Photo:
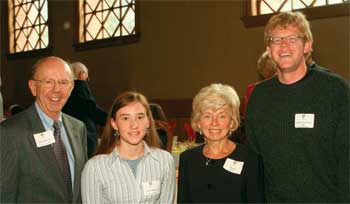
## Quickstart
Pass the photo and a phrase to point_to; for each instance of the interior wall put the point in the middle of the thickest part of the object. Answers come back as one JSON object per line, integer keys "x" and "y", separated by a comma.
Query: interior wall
{"x": 184, "y": 45}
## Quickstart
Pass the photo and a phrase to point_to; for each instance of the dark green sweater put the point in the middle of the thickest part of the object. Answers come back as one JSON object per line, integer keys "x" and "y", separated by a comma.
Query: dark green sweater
{"x": 302, "y": 164}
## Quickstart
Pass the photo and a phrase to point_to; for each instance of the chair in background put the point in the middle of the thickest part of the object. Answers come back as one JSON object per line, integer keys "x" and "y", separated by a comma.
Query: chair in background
{"x": 172, "y": 125}
{"x": 191, "y": 134}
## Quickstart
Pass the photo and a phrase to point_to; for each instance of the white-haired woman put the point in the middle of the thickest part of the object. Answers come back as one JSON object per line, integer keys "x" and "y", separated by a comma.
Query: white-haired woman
{"x": 219, "y": 171}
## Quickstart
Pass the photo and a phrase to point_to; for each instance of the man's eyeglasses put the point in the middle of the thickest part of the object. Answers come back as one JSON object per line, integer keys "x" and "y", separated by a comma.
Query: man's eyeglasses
{"x": 290, "y": 39}
{"x": 50, "y": 83}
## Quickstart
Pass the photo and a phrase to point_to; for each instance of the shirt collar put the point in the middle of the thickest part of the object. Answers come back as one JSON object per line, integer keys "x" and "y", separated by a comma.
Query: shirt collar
{"x": 45, "y": 119}
{"x": 149, "y": 152}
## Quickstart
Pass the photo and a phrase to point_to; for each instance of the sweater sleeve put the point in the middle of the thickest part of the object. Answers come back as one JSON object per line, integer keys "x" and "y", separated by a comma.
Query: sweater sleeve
{"x": 254, "y": 180}
{"x": 249, "y": 125}
{"x": 183, "y": 190}
{"x": 342, "y": 144}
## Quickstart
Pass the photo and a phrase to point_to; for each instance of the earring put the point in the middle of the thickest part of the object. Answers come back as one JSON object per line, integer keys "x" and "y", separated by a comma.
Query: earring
{"x": 116, "y": 133}
{"x": 147, "y": 131}
{"x": 200, "y": 132}
{"x": 230, "y": 132}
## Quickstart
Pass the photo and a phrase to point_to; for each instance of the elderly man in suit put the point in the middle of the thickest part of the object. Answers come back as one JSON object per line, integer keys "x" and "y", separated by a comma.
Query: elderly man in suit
{"x": 43, "y": 150}
{"x": 82, "y": 105}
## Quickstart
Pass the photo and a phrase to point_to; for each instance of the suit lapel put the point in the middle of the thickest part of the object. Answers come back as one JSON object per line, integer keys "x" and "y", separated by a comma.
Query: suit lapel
{"x": 75, "y": 144}
{"x": 45, "y": 153}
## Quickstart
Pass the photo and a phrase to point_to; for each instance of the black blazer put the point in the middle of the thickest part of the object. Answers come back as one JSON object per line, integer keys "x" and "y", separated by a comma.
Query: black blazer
{"x": 82, "y": 105}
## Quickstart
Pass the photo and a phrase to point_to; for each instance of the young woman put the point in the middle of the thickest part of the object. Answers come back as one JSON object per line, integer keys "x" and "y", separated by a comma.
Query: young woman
{"x": 129, "y": 166}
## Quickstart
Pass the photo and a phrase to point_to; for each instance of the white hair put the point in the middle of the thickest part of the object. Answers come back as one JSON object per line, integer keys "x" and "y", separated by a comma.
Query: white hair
{"x": 78, "y": 67}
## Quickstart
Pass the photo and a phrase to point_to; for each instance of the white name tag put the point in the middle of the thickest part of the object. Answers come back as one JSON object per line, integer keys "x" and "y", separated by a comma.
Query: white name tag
{"x": 151, "y": 188}
{"x": 233, "y": 166}
{"x": 304, "y": 120}
{"x": 44, "y": 138}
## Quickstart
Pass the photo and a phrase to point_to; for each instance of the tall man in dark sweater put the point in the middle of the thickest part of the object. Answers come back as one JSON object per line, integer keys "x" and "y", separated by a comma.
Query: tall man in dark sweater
{"x": 82, "y": 105}
{"x": 298, "y": 121}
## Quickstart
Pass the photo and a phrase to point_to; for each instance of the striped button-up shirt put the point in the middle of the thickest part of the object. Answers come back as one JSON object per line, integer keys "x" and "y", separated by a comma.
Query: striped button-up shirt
{"x": 109, "y": 179}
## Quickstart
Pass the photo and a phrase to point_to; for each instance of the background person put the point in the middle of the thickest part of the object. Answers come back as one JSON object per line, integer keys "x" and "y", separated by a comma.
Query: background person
{"x": 266, "y": 68}
{"x": 219, "y": 171}
{"x": 82, "y": 105}
{"x": 14, "y": 109}
{"x": 162, "y": 126}
{"x": 41, "y": 163}
{"x": 129, "y": 166}
{"x": 299, "y": 121}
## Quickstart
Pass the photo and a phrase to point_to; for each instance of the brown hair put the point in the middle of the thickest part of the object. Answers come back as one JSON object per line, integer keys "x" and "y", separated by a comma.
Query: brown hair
{"x": 157, "y": 112}
{"x": 109, "y": 140}
{"x": 266, "y": 67}
{"x": 285, "y": 19}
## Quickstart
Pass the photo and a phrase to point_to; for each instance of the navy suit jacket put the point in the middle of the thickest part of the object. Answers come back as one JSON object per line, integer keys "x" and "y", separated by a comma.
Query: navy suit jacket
{"x": 30, "y": 174}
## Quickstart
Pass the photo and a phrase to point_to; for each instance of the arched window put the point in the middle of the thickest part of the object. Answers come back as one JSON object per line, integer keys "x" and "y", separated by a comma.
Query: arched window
{"x": 106, "y": 19}
{"x": 273, "y": 6}
{"x": 28, "y": 25}
{"x": 257, "y": 12}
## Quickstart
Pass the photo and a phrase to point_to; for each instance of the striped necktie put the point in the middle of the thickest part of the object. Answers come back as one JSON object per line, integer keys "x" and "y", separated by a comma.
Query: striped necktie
{"x": 61, "y": 157}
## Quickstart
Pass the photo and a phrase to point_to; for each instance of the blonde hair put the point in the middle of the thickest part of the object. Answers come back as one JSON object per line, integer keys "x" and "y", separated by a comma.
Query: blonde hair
{"x": 266, "y": 67}
{"x": 216, "y": 96}
{"x": 285, "y": 19}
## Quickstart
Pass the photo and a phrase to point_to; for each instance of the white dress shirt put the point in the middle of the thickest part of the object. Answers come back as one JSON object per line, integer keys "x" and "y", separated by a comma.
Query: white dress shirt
{"x": 108, "y": 178}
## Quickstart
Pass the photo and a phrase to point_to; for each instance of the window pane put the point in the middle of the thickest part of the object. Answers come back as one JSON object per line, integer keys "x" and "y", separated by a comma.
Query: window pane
{"x": 28, "y": 27}
{"x": 92, "y": 4}
{"x": 287, "y": 6}
{"x": 110, "y": 2}
{"x": 335, "y": 1}
{"x": 112, "y": 23}
{"x": 44, "y": 13}
{"x": 45, "y": 36}
{"x": 125, "y": 2}
{"x": 272, "y": 6}
{"x": 129, "y": 21}
{"x": 33, "y": 36}
{"x": 297, "y": 4}
{"x": 93, "y": 26}
{"x": 320, "y": 3}
{"x": 107, "y": 19}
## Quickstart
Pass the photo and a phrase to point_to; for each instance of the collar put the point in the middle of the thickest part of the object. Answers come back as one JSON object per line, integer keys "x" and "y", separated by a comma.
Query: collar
{"x": 45, "y": 119}
{"x": 149, "y": 152}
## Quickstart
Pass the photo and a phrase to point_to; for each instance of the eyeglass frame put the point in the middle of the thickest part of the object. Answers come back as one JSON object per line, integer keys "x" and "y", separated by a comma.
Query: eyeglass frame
{"x": 50, "y": 83}
{"x": 291, "y": 39}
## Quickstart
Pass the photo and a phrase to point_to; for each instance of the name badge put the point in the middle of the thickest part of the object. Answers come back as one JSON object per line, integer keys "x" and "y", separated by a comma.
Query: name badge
{"x": 233, "y": 166}
{"x": 44, "y": 138}
{"x": 151, "y": 188}
{"x": 304, "y": 120}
